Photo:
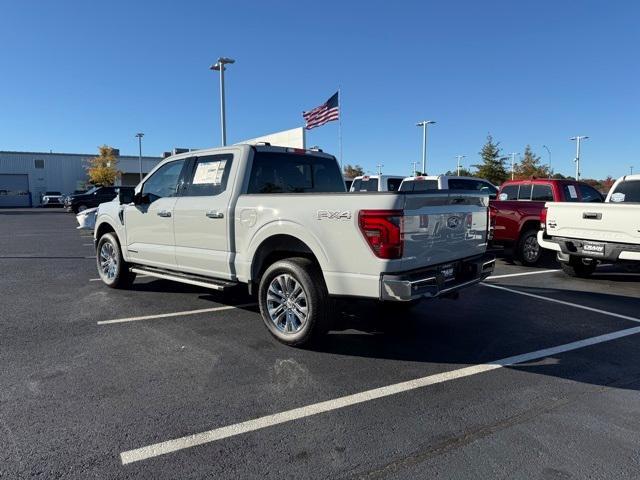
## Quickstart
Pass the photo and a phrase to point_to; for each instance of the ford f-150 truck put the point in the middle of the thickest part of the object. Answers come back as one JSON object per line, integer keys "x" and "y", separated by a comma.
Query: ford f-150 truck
{"x": 585, "y": 234}
{"x": 281, "y": 221}
{"x": 516, "y": 213}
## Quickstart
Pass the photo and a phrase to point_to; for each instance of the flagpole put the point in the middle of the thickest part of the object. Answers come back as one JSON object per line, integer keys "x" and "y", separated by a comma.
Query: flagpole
{"x": 340, "y": 128}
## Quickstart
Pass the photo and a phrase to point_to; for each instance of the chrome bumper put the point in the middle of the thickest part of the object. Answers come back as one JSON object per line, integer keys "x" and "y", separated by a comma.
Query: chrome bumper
{"x": 431, "y": 283}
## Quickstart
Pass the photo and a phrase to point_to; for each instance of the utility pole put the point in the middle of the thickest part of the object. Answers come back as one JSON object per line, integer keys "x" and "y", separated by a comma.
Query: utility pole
{"x": 415, "y": 165}
{"x": 549, "y": 152}
{"x": 220, "y": 67}
{"x": 513, "y": 164}
{"x": 578, "y": 139}
{"x": 139, "y": 135}
{"x": 459, "y": 157}
{"x": 424, "y": 124}
{"x": 631, "y": 169}
{"x": 379, "y": 167}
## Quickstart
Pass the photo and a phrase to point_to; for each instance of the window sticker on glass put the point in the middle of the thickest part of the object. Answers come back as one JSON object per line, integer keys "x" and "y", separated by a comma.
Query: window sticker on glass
{"x": 572, "y": 191}
{"x": 503, "y": 196}
{"x": 618, "y": 197}
{"x": 209, "y": 173}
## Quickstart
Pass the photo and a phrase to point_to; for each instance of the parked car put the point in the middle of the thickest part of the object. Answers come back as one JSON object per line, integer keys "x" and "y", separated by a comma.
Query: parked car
{"x": 280, "y": 220}
{"x": 447, "y": 182}
{"x": 376, "y": 183}
{"x": 586, "y": 234}
{"x": 515, "y": 215}
{"x": 92, "y": 198}
{"x": 52, "y": 199}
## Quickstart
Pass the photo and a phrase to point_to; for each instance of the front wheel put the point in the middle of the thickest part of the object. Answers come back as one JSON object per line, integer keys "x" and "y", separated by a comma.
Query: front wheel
{"x": 294, "y": 302}
{"x": 112, "y": 268}
{"x": 579, "y": 267}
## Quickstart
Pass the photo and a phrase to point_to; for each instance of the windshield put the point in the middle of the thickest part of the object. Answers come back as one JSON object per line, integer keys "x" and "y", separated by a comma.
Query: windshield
{"x": 91, "y": 190}
{"x": 627, "y": 192}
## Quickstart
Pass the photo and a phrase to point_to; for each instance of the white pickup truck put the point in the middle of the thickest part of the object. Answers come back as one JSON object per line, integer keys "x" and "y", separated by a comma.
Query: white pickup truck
{"x": 281, "y": 221}
{"x": 585, "y": 234}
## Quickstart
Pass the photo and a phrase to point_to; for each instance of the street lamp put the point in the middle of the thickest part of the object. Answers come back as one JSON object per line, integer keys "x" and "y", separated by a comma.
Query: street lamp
{"x": 578, "y": 139}
{"x": 220, "y": 67}
{"x": 424, "y": 124}
{"x": 459, "y": 157}
{"x": 139, "y": 135}
{"x": 513, "y": 164}
{"x": 379, "y": 167}
{"x": 549, "y": 152}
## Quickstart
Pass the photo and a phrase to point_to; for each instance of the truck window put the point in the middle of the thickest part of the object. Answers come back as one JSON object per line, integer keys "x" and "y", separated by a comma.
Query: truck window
{"x": 570, "y": 193}
{"x": 589, "y": 194}
{"x": 525, "y": 192}
{"x": 164, "y": 181}
{"x": 368, "y": 185}
{"x": 509, "y": 192}
{"x": 209, "y": 176}
{"x": 283, "y": 172}
{"x": 419, "y": 185}
{"x": 542, "y": 193}
{"x": 627, "y": 192}
{"x": 393, "y": 184}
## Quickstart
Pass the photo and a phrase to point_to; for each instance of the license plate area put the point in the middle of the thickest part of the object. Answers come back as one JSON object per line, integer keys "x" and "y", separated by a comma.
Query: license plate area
{"x": 448, "y": 271}
{"x": 592, "y": 249}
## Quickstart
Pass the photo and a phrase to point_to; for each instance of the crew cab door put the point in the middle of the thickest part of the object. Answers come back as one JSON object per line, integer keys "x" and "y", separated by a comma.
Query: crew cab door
{"x": 202, "y": 219}
{"x": 149, "y": 222}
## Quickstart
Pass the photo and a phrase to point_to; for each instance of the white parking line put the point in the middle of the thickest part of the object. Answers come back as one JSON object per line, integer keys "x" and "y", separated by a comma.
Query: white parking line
{"x": 562, "y": 302}
{"x": 175, "y": 314}
{"x": 493, "y": 277}
{"x": 189, "y": 441}
{"x": 87, "y": 244}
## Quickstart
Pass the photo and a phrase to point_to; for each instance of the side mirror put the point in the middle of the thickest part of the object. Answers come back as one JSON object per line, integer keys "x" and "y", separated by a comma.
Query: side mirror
{"x": 125, "y": 196}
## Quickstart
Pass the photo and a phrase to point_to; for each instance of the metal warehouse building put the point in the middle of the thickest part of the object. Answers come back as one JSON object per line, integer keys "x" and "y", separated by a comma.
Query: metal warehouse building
{"x": 25, "y": 176}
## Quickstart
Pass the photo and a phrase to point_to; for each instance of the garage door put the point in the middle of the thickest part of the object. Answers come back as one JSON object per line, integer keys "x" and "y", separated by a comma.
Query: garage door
{"x": 14, "y": 190}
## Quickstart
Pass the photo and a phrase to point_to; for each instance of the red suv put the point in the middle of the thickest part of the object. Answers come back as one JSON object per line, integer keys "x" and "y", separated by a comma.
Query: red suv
{"x": 516, "y": 212}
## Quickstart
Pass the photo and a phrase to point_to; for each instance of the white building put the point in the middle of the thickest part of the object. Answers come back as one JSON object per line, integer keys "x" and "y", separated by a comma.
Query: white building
{"x": 25, "y": 176}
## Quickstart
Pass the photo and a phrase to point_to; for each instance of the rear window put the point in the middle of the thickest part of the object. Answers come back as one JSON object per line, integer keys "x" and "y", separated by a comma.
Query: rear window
{"x": 542, "y": 193}
{"x": 570, "y": 193}
{"x": 282, "y": 172}
{"x": 627, "y": 192}
{"x": 393, "y": 184}
{"x": 419, "y": 185}
{"x": 525, "y": 192}
{"x": 365, "y": 185}
{"x": 509, "y": 192}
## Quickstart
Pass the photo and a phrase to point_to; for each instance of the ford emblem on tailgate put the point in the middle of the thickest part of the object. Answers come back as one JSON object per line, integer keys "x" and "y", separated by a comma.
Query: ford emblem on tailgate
{"x": 453, "y": 222}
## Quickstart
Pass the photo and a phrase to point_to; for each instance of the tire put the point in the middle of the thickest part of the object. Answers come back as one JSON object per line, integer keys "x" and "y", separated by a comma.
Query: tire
{"x": 576, "y": 267}
{"x": 528, "y": 250}
{"x": 112, "y": 268}
{"x": 294, "y": 302}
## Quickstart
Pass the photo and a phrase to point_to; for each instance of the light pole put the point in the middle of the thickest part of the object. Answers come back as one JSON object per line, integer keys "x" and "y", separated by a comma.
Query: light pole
{"x": 220, "y": 67}
{"x": 549, "y": 152}
{"x": 578, "y": 139}
{"x": 414, "y": 171}
{"x": 513, "y": 164}
{"x": 631, "y": 169}
{"x": 424, "y": 124}
{"x": 379, "y": 167}
{"x": 139, "y": 135}
{"x": 459, "y": 157}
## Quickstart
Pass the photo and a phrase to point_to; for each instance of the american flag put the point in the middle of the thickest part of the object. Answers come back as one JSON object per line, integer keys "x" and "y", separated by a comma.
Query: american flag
{"x": 327, "y": 112}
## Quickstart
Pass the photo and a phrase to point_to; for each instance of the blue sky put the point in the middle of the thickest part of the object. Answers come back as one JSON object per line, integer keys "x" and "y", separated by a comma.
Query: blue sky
{"x": 78, "y": 74}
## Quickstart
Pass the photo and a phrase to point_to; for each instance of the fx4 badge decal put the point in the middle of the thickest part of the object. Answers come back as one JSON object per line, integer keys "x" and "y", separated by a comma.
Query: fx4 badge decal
{"x": 333, "y": 215}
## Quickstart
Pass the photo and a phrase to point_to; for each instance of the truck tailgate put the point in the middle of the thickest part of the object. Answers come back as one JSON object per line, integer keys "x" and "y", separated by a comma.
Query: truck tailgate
{"x": 444, "y": 227}
{"x": 605, "y": 222}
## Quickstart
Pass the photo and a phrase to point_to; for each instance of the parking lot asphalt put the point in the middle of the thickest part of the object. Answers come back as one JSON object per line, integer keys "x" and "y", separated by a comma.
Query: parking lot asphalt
{"x": 166, "y": 381}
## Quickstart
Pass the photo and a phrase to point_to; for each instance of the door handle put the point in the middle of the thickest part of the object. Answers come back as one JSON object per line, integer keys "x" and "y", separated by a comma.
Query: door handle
{"x": 592, "y": 216}
{"x": 214, "y": 214}
{"x": 164, "y": 213}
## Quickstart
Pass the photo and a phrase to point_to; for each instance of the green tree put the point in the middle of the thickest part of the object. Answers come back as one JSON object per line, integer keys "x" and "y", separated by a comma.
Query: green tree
{"x": 352, "y": 171}
{"x": 530, "y": 166}
{"x": 463, "y": 173}
{"x": 492, "y": 166}
{"x": 102, "y": 170}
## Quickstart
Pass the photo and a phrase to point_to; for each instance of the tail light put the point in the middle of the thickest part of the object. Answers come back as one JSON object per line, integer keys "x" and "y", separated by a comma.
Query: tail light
{"x": 383, "y": 231}
{"x": 543, "y": 219}
{"x": 492, "y": 221}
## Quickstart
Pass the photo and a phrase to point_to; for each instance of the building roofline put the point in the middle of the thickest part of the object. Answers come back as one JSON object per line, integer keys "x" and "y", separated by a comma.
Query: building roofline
{"x": 76, "y": 154}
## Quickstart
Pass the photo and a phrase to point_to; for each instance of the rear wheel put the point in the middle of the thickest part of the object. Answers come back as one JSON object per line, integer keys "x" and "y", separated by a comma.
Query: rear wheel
{"x": 528, "y": 250}
{"x": 294, "y": 301}
{"x": 112, "y": 268}
{"x": 579, "y": 267}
